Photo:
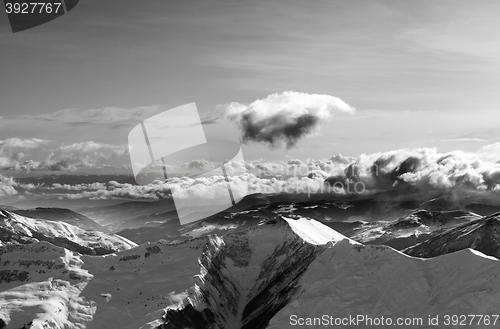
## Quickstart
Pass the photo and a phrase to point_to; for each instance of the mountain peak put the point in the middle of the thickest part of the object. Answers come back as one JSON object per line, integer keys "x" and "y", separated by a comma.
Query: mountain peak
{"x": 61, "y": 215}
{"x": 247, "y": 277}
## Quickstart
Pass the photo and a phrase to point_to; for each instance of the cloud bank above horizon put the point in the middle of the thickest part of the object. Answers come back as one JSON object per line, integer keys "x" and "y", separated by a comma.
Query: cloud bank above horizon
{"x": 420, "y": 171}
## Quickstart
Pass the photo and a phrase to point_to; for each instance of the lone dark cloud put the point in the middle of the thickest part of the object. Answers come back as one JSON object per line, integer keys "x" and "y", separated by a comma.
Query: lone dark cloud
{"x": 276, "y": 129}
{"x": 284, "y": 118}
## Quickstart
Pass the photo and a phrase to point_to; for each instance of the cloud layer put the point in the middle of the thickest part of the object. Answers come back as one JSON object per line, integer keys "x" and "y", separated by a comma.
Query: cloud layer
{"x": 284, "y": 118}
{"x": 418, "y": 170}
{"x": 113, "y": 116}
{"x": 43, "y": 155}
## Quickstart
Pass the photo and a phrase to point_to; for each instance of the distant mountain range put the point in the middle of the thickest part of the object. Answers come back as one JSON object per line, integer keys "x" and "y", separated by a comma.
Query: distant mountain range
{"x": 133, "y": 214}
{"x": 366, "y": 218}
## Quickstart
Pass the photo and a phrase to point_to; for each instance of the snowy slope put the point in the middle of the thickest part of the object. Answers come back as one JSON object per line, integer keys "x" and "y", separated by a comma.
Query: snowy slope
{"x": 41, "y": 283}
{"x": 16, "y": 229}
{"x": 60, "y": 214}
{"x": 65, "y": 290}
{"x": 140, "y": 282}
{"x": 313, "y": 232}
{"x": 378, "y": 281}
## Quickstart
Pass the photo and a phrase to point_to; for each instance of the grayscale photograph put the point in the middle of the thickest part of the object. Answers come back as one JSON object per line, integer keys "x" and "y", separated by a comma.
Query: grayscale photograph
{"x": 266, "y": 164}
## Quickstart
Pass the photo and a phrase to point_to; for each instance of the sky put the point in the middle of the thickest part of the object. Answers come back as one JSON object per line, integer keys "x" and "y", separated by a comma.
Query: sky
{"x": 415, "y": 74}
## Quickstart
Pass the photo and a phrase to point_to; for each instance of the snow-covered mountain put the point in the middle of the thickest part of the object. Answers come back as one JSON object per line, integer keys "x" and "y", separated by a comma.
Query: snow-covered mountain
{"x": 247, "y": 277}
{"x": 256, "y": 278}
{"x": 40, "y": 287}
{"x": 17, "y": 229}
{"x": 481, "y": 234}
{"x": 63, "y": 215}
{"x": 264, "y": 275}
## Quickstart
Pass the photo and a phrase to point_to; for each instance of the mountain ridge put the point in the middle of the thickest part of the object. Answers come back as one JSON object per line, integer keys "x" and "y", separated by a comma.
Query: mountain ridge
{"x": 17, "y": 229}
{"x": 61, "y": 214}
{"x": 481, "y": 234}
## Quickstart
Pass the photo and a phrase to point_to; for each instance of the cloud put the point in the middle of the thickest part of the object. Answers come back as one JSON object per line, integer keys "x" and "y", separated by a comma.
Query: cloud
{"x": 464, "y": 140}
{"x": 45, "y": 156}
{"x": 207, "y": 187}
{"x": 7, "y": 163}
{"x": 200, "y": 188}
{"x": 84, "y": 154}
{"x": 90, "y": 146}
{"x": 29, "y": 186}
{"x": 10, "y": 144}
{"x": 425, "y": 169}
{"x": 12, "y": 151}
{"x": 490, "y": 151}
{"x": 284, "y": 118}
{"x": 77, "y": 187}
{"x": 115, "y": 190}
{"x": 339, "y": 158}
{"x": 7, "y": 186}
{"x": 106, "y": 125}
{"x": 200, "y": 164}
{"x": 420, "y": 170}
{"x": 100, "y": 116}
